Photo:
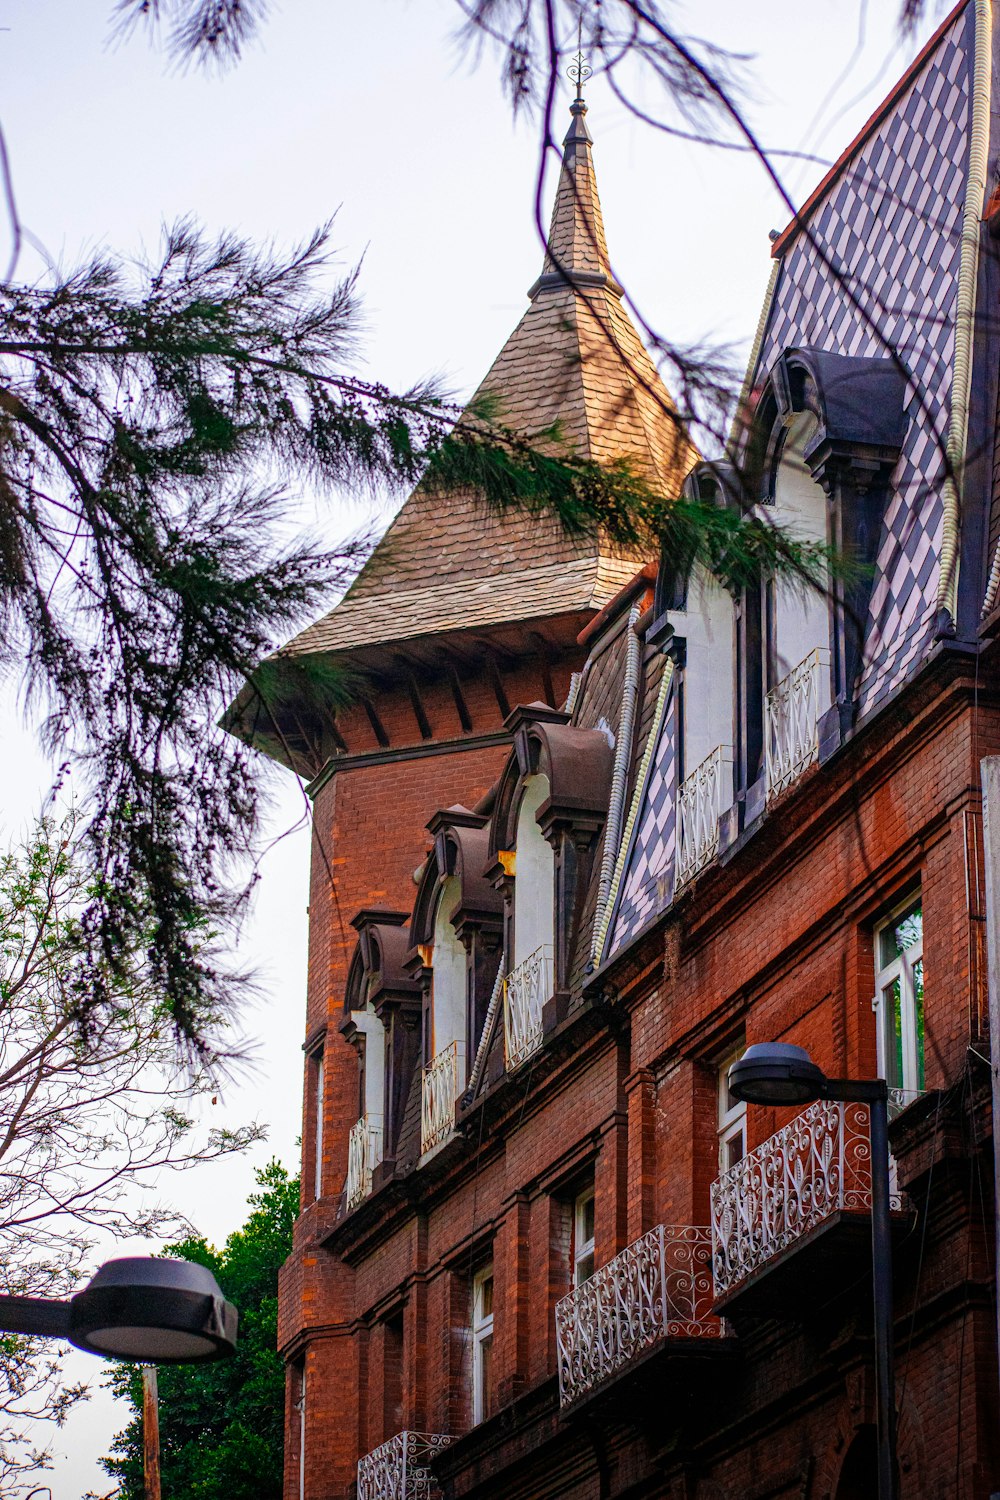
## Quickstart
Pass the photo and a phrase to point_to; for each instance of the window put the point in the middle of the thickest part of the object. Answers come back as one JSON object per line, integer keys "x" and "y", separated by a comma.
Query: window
{"x": 583, "y": 1237}
{"x": 732, "y": 1118}
{"x": 318, "y": 1127}
{"x": 899, "y": 996}
{"x": 482, "y": 1344}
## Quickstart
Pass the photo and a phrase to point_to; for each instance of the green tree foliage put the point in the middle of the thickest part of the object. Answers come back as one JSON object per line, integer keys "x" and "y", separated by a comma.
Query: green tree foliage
{"x": 88, "y": 1124}
{"x": 222, "y": 1425}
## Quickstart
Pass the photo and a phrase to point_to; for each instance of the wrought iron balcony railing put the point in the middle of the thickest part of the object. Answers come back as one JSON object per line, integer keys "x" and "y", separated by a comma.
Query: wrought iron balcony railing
{"x": 439, "y": 1090}
{"x": 792, "y": 712}
{"x": 364, "y": 1152}
{"x": 817, "y": 1165}
{"x": 526, "y": 989}
{"x": 400, "y": 1468}
{"x": 660, "y": 1287}
{"x": 703, "y": 797}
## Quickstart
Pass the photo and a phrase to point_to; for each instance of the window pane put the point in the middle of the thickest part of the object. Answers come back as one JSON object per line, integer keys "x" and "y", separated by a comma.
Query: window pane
{"x": 584, "y": 1268}
{"x": 892, "y": 1011}
{"x": 486, "y": 1374}
{"x": 485, "y": 1298}
{"x": 733, "y": 1151}
{"x": 918, "y": 1015}
{"x": 586, "y": 1221}
{"x": 900, "y": 934}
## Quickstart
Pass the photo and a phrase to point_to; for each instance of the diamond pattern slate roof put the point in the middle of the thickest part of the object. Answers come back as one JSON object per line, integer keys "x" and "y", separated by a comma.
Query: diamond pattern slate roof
{"x": 575, "y": 362}
{"x": 890, "y": 224}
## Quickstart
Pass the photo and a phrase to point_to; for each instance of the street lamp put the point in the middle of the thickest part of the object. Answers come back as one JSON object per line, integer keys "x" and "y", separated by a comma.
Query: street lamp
{"x": 778, "y": 1073}
{"x": 143, "y": 1309}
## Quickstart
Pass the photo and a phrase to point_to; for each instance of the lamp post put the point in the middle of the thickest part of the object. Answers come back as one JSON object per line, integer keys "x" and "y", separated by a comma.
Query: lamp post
{"x": 777, "y": 1073}
{"x": 139, "y": 1308}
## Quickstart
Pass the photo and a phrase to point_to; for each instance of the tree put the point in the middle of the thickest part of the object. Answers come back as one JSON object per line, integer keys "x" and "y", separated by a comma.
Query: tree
{"x": 87, "y": 1121}
{"x": 222, "y": 1425}
{"x": 154, "y": 421}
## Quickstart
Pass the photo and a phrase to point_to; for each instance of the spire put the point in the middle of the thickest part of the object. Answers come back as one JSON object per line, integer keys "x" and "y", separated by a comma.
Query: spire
{"x": 577, "y": 249}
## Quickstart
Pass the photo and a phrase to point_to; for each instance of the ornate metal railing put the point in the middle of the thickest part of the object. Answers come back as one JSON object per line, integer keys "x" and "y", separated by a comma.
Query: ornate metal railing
{"x": 439, "y": 1092}
{"x": 792, "y": 713}
{"x": 399, "y": 1469}
{"x": 703, "y": 797}
{"x": 364, "y": 1152}
{"x": 816, "y": 1165}
{"x": 660, "y": 1287}
{"x": 526, "y": 989}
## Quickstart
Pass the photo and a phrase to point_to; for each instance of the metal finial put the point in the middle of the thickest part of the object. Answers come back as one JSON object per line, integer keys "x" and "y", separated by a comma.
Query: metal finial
{"x": 579, "y": 69}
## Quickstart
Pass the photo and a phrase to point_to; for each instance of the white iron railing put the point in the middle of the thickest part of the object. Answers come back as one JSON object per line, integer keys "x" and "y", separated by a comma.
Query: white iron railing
{"x": 660, "y": 1287}
{"x": 364, "y": 1152}
{"x": 439, "y": 1090}
{"x": 818, "y": 1164}
{"x": 399, "y": 1469}
{"x": 792, "y": 712}
{"x": 701, "y": 800}
{"x": 526, "y": 989}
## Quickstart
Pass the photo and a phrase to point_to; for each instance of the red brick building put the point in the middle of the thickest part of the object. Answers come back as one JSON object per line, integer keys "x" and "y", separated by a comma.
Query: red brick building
{"x": 593, "y": 827}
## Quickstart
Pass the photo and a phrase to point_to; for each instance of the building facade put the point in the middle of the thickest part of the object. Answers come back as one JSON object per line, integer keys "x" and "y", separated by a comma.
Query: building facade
{"x": 594, "y": 824}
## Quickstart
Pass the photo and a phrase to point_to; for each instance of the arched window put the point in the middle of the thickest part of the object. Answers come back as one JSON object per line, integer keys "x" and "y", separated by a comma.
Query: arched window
{"x": 798, "y": 618}
{"x": 534, "y": 884}
{"x": 444, "y": 1014}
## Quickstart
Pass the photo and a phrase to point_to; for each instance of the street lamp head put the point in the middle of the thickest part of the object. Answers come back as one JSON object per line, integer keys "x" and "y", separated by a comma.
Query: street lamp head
{"x": 776, "y": 1073}
{"x": 153, "y": 1311}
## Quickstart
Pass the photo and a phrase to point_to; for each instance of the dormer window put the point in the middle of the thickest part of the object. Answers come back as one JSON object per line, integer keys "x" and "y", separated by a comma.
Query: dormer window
{"x": 530, "y": 973}
{"x": 444, "y": 1029}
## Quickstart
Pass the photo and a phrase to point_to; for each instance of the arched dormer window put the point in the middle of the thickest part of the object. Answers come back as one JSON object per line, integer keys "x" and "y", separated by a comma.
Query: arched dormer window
{"x": 824, "y": 439}
{"x": 456, "y": 931}
{"x": 550, "y": 807}
{"x": 381, "y": 1024}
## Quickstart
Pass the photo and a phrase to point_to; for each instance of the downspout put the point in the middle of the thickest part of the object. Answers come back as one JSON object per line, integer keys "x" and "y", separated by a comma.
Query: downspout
{"x": 965, "y": 314}
{"x": 601, "y": 928}
{"x": 619, "y": 774}
{"x": 489, "y": 1026}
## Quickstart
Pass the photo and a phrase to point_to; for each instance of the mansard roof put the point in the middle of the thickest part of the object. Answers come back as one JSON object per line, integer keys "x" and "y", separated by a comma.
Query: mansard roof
{"x": 574, "y": 362}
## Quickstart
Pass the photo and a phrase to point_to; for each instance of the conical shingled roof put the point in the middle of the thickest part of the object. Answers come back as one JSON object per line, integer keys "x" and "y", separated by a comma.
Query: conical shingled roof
{"x": 574, "y": 361}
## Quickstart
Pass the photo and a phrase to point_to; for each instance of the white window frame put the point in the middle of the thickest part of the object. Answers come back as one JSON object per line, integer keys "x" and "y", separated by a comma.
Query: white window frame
{"x": 482, "y": 1333}
{"x": 732, "y": 1113}
{"x": 900, "y": 968}
{"x": 300, "y": 1407}
{"x": 318, "y": 1102}
{"x": 583, "y": 1248}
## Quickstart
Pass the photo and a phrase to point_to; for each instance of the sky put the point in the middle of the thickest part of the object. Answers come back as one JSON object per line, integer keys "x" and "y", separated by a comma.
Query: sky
{"x": 370, "y": 113}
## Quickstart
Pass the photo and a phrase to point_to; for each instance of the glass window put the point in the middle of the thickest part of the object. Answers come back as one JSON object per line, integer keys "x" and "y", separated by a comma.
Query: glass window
{"x": 583, "y": 1237}
{"x": 732, "y": 1118}
{"x": 482, "y": 1344}
{"x": 318, "y": 1102}
{"x": 899, "y": 997}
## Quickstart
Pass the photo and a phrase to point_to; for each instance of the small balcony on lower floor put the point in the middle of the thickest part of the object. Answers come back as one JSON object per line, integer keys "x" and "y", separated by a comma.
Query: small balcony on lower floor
{"x": 438, "y": 1093}
{"x": 364, "y": 1152}
{"x": 658, "y": 1291}
{"x": 793, "y": 1218}
{"x": 526, "y": 989}
{"x": 400, "y": 1468}
{"x": 792, "y": 712}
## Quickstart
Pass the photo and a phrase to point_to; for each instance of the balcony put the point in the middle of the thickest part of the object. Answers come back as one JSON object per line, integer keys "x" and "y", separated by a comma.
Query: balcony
{"x": 439, "y": 1090}
{"x": 795, "y": 1213}
{"x": 703, "y": 797}
{"x": 526, "y": 989}
{"x": 364, "y": 1152}
{"x": 659, "y": 1289}
{"x": 792, "y": 712}
{"x": 400, "y": 1468}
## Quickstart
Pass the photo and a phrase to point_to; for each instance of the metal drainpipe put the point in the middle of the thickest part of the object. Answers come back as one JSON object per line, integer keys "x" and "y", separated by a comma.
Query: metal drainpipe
{"x": 619, "y": 776}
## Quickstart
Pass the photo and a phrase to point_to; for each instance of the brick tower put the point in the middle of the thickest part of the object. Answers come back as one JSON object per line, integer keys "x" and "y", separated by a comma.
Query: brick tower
{"x": 457, "y": 617}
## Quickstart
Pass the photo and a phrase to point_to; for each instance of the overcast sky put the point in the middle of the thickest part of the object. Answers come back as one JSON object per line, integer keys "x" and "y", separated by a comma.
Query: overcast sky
{"x": 364, "y": 108}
